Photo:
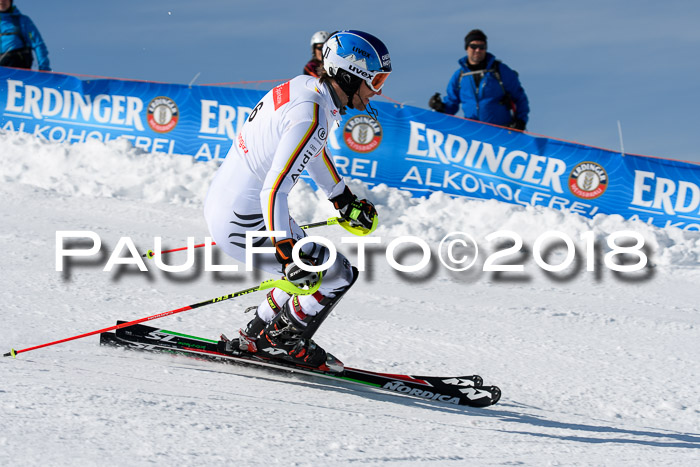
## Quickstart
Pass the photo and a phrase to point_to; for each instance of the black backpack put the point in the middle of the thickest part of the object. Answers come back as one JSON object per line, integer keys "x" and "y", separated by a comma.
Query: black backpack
{"x": 507, "y": 99}
{"x": 18, "y": 58}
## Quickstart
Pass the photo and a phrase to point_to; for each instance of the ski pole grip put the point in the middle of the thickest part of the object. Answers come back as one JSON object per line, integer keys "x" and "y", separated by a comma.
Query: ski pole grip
{"x": 284, "y": 284}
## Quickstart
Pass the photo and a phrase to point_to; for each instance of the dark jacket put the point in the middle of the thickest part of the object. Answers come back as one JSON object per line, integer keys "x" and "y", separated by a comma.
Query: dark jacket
{"x": 18, "y": 35}
{"x": 486, "y": 103}
{"x": 311, "y": 67}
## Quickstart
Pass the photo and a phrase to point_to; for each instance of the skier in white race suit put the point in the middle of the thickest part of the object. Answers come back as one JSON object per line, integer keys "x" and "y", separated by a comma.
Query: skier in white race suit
{"x": 285, "y": 134}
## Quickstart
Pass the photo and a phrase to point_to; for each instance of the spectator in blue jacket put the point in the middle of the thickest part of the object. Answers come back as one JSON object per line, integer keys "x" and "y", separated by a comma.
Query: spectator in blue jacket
{"x": 18, "y": 37}
{"x": 488, "y": 89}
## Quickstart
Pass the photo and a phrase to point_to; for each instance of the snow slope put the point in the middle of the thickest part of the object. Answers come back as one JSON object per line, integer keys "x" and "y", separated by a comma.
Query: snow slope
{"x": 596, "y": 368}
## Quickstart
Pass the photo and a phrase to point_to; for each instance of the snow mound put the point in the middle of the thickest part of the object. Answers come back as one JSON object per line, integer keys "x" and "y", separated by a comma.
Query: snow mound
{"x": 116, "y": 169}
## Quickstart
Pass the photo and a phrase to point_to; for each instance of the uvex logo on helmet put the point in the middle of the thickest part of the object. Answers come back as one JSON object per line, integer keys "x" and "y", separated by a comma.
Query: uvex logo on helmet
{"x": 360, "y": 51}
{"x": 360, "y": 71}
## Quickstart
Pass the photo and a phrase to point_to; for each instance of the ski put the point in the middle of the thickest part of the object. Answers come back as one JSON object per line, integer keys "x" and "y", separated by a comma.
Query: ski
{"x": 458, "y": 390}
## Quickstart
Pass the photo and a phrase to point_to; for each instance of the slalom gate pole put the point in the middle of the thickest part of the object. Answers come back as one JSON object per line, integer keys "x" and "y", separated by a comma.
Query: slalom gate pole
{"x": 268, "y": 284}
{"x": 331, "y": 221}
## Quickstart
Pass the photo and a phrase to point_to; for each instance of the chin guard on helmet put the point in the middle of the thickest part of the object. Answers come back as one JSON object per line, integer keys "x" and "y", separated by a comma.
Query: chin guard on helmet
{"x": 349, "y": 83}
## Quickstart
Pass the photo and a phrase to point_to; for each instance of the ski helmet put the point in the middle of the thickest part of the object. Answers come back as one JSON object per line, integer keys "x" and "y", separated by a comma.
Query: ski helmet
{"x": 319, "y": 38}
{"x": 355, "y": 56}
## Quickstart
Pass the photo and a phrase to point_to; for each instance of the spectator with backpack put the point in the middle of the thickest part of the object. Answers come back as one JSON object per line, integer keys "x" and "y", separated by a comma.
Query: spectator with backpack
{"x": 488, "y": 89}
{"x": 18, "y": 38}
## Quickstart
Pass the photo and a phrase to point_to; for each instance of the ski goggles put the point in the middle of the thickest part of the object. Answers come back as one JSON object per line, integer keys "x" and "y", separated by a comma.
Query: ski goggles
{"x": 378, "y": 81}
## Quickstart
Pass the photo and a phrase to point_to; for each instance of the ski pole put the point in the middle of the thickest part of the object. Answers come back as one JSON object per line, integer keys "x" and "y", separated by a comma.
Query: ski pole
{"x": 331, "y": 221}
{"x": 151, "y": 253}
{"x": 268, "y": 284}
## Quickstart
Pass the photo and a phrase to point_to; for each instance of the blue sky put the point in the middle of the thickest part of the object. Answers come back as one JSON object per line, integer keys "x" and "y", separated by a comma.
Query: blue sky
{"x": 584, "y": 65}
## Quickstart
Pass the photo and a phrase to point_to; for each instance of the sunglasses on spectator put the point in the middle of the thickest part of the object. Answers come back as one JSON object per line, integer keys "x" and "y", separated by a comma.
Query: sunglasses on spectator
{"x": 477, "y": 46}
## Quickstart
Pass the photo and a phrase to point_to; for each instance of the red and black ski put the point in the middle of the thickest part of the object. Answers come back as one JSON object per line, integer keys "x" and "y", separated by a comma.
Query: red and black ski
{"x": 459, "y": 390}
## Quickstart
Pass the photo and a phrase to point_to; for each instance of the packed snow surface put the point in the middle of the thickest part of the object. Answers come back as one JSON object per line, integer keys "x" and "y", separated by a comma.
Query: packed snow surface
{"x": 596, "y": 367}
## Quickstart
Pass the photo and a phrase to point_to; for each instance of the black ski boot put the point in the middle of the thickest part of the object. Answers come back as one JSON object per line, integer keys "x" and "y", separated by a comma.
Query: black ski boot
{"x": 248, "y": 337}
{"x": 283, "y": 339}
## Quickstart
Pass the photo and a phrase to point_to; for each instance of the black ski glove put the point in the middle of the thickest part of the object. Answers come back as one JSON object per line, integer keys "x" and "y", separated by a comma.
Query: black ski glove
{"x": 518, "y": 124}
{"x": 359, "y": 212}
{"x": 436, "y": 103}
{"x": 293, "y": 273}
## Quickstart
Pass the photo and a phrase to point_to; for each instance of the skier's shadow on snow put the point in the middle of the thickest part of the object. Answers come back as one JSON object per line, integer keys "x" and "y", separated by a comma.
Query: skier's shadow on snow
{"x": 659, "y": 438}
{"x": 506, "y": 413}
{"x": 607, "y": 434}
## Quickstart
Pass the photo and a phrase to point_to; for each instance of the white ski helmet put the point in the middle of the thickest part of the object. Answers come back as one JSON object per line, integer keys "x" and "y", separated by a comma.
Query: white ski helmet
{"x": 319, "y": 38}
{"x": 361, "y": 55}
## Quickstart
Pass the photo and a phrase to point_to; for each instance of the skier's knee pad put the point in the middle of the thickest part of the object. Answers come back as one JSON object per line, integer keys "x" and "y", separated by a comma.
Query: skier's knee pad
{"x": 337, "y": 277}
{"x": 325, "y": 305}
{"x": 335, "y": 282}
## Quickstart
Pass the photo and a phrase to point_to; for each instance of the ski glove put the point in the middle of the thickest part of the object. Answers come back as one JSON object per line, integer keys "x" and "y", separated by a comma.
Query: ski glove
{"x": 436, "y": 103}
{"x": 293, "y": 273}
{"x": 518, "y": 124}
{"x": 359, "y": 212}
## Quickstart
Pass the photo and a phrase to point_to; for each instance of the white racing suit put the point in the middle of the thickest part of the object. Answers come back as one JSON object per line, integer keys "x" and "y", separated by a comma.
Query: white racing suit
{"x": 285, "y": 134}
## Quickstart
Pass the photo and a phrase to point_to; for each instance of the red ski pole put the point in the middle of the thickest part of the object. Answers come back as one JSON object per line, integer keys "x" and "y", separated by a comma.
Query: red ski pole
{"x": 268, "y": 284}
{"x": 151, "y": 253}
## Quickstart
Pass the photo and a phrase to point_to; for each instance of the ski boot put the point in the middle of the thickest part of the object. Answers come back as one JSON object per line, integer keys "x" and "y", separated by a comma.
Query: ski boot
{"x": 247, "y": 338}
{"x": 282, "y": 339}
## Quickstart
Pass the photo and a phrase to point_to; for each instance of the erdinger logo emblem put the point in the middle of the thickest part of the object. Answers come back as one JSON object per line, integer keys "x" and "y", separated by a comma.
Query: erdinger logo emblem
{"x": 162, "y": 114}
{"x": 362, "y": 133}
{"x": 588, "y": 180}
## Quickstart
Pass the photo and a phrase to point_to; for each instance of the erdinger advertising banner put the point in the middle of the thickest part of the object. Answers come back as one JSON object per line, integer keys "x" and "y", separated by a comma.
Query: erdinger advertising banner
{"x": 407, "y": 147}
{"x": 159, "y": 118}
{"x": 423, "y": 151}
